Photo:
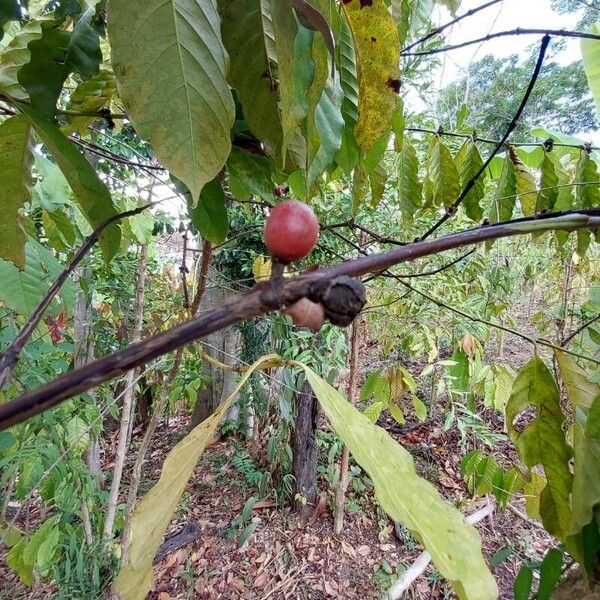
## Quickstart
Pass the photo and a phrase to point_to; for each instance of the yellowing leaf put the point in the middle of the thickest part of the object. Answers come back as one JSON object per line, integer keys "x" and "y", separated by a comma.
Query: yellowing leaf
{"x": 454, "y": 545}
{"x": 378, "y": 56}
{"x": 15, "y": 174}
{"x": 170, "y": 66}
{"x": 261, "y": 268}
{"x": 154, "y": 512}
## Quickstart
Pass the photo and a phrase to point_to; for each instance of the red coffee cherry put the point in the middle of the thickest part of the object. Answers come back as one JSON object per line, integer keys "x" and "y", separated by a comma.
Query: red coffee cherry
{"x": 291, "y": 231}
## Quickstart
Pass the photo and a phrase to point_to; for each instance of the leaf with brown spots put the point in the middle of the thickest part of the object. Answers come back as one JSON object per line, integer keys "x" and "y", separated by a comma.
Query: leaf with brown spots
{"x": 378, "y": 56}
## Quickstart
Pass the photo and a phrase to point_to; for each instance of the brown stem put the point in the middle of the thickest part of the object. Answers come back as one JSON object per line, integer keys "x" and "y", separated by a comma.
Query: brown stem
{"x": 127, "y": 409}
{"x": 340, "y": 492}
{"x": 260, "y": 301}
{"x": 11, "y": 354}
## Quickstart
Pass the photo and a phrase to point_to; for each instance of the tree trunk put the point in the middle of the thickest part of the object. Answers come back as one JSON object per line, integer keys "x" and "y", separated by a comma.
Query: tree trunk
{"x": 223, "y": 345}
{"x": 84, "y": 350}
{"x": 340, "y": 492}
{"x": 128, "y": 407}
{"x": 305, "y": 452}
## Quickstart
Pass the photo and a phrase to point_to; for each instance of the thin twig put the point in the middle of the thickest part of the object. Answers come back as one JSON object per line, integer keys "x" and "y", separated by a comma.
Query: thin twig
{"x": 475, "y": 138}
{"x": 445, "y": 26}
{"x": 511, "y": 127}
{"x": 262, "y": 300}
{"x": 580, "y": 329}
{"x": 512, "y": 32}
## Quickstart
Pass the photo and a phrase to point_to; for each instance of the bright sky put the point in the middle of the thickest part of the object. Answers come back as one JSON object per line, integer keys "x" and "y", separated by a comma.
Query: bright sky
{"x": 507, "y": 15}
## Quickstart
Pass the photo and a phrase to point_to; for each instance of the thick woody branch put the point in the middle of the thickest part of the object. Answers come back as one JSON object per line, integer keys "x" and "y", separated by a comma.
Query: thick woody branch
{"x": 11, "y": 354}
{"x": 512, "y": 32}
{"x": 511, "y": 127}
{"x": 266, "y": 298}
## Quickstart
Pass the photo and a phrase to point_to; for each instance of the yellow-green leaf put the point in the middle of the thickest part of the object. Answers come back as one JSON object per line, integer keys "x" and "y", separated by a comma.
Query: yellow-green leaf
{"x": 454, "y": 545}
{"x": 16, "y": 158}
{"x": 154, "y": 512}
{"x": 170, "y": 65}
{"x": 378, "y": 57}
{"x": 590, "y": 50}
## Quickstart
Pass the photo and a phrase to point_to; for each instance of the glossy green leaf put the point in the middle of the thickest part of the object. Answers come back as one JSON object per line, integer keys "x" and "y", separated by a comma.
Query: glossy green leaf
{"x": 523, "y": 584}
{"x": 454, "y": 545}
{"x": 590, "y": 51}
{"x": 155, "y": 510}
{"x": 83, "y": 53}
{"x": 443, "y": 174}
{"x": 550, "y": 573}
{"x": 503, "y": 202}
{"x": 250, "y": 73}
{"x": 175, "y": 90}
{"x": 249, "y": 174}
{"x": 210, "y": 213}
{"x": 15, "y": 185}
{"x": 410, "y": 189}
{"x": 90, "y": 192}
{"x": 329, "y": 130}
{"x": 17, "y": 54}
{"x": 378, "y": 57}
{"x": 541, "y": 441}
{"x": 469, "y": 162}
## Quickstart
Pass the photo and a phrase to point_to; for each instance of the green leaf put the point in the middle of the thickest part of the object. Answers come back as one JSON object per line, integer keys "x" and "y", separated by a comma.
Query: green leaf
{"x": 15, "y": 185}
{"x": 329, "y": 126}
{"x": 348, "y": 74}
{"x": 469, "y": 162}
{"x": 526, "y": 188}
{"x": 17, "y": 54}
{"x": 83, "y": 54}
{"x": 15, "y": 560}
{"x": 586, "y": 171}
{"x": 419, "y": 407}
{"x": 583, "y": 395}
{"x": 454, "y": 545}
{"x": 443, "y": 174}
{"x": 542, "y": 441}
{"x": 154, "y": 511}
{"x": 296, "y": 71}
{"x": 210, "y": 213}
{"x": 396, "y": 413}
{"x": 503, "y": 202}
{"x": 550, "y": 573}
{"x": 43, "y": 76}
{"x": 523, "y": 583}
{"x": 175, "y": 91}
{"x": 378, "y": 55}
{"x": 459, "y": 371}
{"x": 590, "y": 51}
{"x": 90, "y": 192}
{"x": 22, "y": 291}
{"x": 410, "y": 189}
{"x": 250, "y": 73}
{"x": 249, "y": 174}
